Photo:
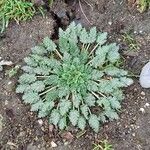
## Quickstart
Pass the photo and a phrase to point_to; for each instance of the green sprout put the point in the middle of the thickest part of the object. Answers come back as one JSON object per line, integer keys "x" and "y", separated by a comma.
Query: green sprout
{"x": 102, "y": 145}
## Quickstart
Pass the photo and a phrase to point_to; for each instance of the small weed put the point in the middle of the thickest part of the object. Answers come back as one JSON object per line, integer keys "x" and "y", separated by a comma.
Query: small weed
{"x": 143, "y": 5}
{"x": 18, "y": 10}
{"x": 50, "y": 2}
{"x": 12, "y": 72}
{"x": 130, "y": 41}
{"x": 102, "y": 145}
{"x": 66, "y": 80}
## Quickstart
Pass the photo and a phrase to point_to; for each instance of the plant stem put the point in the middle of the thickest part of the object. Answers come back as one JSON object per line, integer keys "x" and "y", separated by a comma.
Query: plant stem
{"x": 57, "y": 52}
{"x": 88, "y": 46}
{"x": 95, "y": 94}
{"x": 101, "y": 94}
{"x": 47, "y": 91}
{"x": 83, "y": 46}
{"x": 94, "y": 48}
{"x": 89, "y": 110}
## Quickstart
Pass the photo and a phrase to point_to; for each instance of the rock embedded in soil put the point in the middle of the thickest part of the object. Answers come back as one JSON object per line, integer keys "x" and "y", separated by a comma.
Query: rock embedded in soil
{"x": 145, "y": 76}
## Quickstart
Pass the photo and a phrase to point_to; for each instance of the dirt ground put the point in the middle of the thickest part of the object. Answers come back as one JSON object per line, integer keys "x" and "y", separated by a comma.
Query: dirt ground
{"x": 20, "y": 129}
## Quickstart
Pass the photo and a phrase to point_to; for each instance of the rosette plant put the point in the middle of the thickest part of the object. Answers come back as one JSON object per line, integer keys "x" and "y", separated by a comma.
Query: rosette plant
{"x": 75, "y": 80}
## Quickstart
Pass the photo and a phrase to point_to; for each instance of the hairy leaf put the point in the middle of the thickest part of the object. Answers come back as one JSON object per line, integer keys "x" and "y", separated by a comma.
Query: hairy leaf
{"x": 40, "y": 50}
{"x": 49, "y": 44}
{"x": 81, "y": 123}
{"x": 30, "y": 97}
{"x": 27, "y": 78}
{"x": 55, "y": 117}
{"x": 62, "y": 123}
{"x": 84, "y": 110}
{"x": 36, "y": 106}
{"x": 94, "y": 122}
{"x": 73, "y": 116}
{"x": 37, "y": 86}
{"x": 64, "y": 107}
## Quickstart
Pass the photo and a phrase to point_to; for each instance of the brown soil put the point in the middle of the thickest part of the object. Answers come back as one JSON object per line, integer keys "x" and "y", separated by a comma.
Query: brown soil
{"x": 21, "y": 129}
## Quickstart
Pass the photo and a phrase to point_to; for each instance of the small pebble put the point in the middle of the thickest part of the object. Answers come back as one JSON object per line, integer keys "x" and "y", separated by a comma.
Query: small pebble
{"x": 133, "y": 134}
{"x": 110, "y": 23}
{"x": 143, "y": 93}
{"x": 40, "y": 121}
{"x": 53, "y": 144}
{"x": 142, "y": 110}
{"x": 147, "y": 105}
{"x": 6, "y": 102}
{"x": 66, "y": 143}
{"x": 9, "y": 83}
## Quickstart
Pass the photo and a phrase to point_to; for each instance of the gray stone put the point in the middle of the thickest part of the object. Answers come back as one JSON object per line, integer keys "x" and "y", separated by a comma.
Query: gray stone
{"x": 145, "y": 76}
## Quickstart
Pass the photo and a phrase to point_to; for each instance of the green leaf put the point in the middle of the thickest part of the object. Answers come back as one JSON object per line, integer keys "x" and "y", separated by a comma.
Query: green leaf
{"x": 78, "y": 29}
{"x": 55, "y": 117}
{"x": 50, "y": 62}
{"x": 36, "y": 106}
{"x": 27, "y": 78}
{"x": 111, "y": 114}
{"x": 84, "y": 36}
{"x": 22, "y": 88}
{"x": 104, "y": 102}
{"x": 92, "y": 35}
{"x": 30, "y": 62}
{"x": 47, "y": 106}
{"x": 94, "y": 122}
{"x": 62, "y": 123}
{"x": 42, "y": 114}
{"x": 51, "y": 80}
{"x": 100, "y": 57}
{"x": 37, "y": 86}
{"x": 113, "y": 54}
{"x": 63, "y": 45}
{"x": 102, "y": 38}
{"x": 40, "y": 50}
{"x": 105, "y": 87}
{"x": 28, "y": 69}
{"x": 45, "y": 109}
{"x": 85, "y": 111}
{"x": 73, "y": 116}
{"x": 76, "y": 99}
{"x": 92, "y": 86}
{"x": 115, "y": 104}
{"x": 81, "y": 123}
{"x": 126, "y": 81}
{"x": 43, "y": 70}
{"x": 102, "y": 118}
{"x": 84, "y": 57}
{"x": 90, "y": 100}
{"x": 64, "y": 107}
{"x": 63, "y": 91}
{"x": 49, "y": 44}
{"x": 30, "y": 97}
{"x": 114, "y": 71}
{"x": 101, "y": 51}
{"x": 51, "y": 95}
{"x": 118, "y": 94}
{"x": 96, "y": 74}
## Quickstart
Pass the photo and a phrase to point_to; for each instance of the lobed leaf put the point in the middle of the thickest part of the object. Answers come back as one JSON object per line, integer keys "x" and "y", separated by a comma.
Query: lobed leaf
{"x": 81, "y": 123}
{"x": 49, "y": 44}
{"x": 94, "y": 122}
{"x": 74, "y": 116}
